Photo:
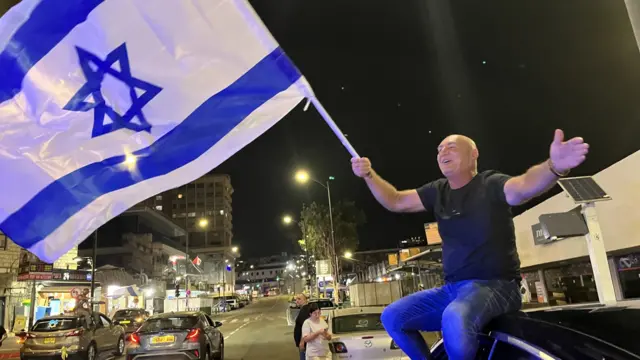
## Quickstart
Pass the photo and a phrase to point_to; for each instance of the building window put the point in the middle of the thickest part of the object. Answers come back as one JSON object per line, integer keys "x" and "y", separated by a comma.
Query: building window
{"x": 159, "y": 197}
{"x": 3, "y": 241}
{"x": 159, "y": 207}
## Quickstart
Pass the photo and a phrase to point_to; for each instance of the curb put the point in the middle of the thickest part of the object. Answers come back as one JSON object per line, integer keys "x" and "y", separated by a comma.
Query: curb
{"x": 10, "y": 355}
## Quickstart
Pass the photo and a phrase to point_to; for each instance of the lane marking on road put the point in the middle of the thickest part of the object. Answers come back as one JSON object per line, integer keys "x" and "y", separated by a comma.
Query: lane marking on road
{"x": 248, "y": 322}
{"x": 246, "y": 319}
{"x": 236, "y": 330}
{"x": 232, "y": 321}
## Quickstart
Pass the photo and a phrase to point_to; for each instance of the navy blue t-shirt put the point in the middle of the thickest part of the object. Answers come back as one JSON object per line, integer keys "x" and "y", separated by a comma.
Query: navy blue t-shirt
{"x": 476, "y": 226}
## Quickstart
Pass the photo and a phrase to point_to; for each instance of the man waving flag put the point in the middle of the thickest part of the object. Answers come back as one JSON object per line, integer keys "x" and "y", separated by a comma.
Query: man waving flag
{"x": 105, "y": 103}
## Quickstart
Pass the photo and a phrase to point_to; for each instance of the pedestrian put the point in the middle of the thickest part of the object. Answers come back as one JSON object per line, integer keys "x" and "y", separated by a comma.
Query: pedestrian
{"x": 3, "y": 334}
{"x": 303, "y": 314}
{"x": 479, "y": 256}
{"x": 316, "y": 336}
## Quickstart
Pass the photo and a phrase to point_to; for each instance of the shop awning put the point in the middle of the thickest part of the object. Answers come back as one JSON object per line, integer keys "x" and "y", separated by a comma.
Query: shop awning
{"x": 125, "y": 291}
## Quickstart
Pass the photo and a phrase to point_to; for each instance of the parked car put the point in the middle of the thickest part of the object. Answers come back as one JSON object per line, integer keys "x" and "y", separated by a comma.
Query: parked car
{"x": 586, "y": 332}
{"x": 189, "y": 335}
{"x": 75, "y": 335}
{"x": 358, "y": 334}
{"x": 130, "y": 319}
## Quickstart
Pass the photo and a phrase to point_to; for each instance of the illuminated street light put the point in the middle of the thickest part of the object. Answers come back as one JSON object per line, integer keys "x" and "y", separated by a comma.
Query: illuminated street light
{"x": 203, "y": 223}
{"x": 287, "y": 219}
{"x": 348, "y": 255}
{"x": 251, "y": 266}
{"x": 302, "y": 176}
{"x": 234, "y": 249}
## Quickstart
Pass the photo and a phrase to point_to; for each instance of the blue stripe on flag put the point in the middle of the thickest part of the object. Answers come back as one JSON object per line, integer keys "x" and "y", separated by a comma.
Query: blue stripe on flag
{"x": 201, "y": 130}
{"x": 49, "y": 22}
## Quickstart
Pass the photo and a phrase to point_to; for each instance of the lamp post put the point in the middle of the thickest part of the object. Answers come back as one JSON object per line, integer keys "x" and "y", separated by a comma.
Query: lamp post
{"x": 303, "y": 177}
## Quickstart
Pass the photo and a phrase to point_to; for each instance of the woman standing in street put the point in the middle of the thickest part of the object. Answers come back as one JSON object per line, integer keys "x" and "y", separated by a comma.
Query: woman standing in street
{"x": 315, "y": 333}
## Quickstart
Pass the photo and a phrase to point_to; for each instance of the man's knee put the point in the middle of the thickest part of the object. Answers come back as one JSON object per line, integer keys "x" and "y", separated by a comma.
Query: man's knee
{"x": 390, "y": 317}
{"x": 458, "y": 318}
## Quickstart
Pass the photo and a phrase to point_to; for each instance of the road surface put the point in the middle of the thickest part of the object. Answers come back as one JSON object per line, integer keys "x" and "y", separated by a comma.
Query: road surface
{"x": 257, "y": 331}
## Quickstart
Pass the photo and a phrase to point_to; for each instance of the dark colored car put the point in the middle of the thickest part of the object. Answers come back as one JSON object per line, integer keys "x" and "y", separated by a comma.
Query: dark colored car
{"x": 588, "y": 332}
{"x": 185, "y": 335}
{"x": 130, "y": 319}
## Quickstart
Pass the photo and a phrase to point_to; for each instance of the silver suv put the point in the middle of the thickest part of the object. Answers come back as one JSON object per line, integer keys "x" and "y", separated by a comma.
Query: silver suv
{"x": 73, "y": 335}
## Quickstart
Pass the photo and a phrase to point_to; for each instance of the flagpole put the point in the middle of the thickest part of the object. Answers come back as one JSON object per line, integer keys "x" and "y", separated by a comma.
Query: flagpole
{"x": 332, "y": 124}
{"x": 633, "y": 9}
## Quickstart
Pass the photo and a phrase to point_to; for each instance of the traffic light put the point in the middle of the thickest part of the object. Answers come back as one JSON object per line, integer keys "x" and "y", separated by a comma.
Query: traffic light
{"x": 177, "y": 290}
{"x": 228, "y": 267}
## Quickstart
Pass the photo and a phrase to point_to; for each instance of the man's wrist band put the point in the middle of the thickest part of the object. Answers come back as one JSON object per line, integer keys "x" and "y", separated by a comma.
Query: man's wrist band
{"x": 556, "y": 172}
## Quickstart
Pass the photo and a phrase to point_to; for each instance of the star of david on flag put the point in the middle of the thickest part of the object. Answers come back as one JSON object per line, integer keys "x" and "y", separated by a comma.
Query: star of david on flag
{"x": 106, "y": 103}
{"x": 95, "y": 70}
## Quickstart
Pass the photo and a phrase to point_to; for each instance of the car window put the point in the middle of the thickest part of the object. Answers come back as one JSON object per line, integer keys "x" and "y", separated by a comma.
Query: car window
{"x": 105, "y": 322}
{"x": 169, "y": 323}
{"x": 209, "y": 320}
{"x": 55, "y": 325}
{"x": 356, "y": 323}
{"x": 324, "y": 304}
{"x": 96, "y": 321}
{"x": 128, "y": 313}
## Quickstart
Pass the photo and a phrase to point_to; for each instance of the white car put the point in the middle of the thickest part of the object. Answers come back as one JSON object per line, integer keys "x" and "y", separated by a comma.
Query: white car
{"x": 358, "y": 334}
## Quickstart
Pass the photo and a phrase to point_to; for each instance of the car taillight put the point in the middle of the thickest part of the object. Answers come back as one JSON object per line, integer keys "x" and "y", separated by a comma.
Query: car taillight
{"x": 134, "y": 338}
{"x": 30, "y": 336}
{"x": 77, "y": 332}
{"x": 338, "y": 348}
{"x": 192, "y": 335}
{"x": 394, "y": 346}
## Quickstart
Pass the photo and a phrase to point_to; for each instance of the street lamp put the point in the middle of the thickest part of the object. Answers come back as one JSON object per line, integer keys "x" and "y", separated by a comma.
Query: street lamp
{"x": 234, "y": 249}
{"x": 302, "y": 177}
{"x": 203, "y": 223}
{"x": 348, "y": 255}
{"x": 287, "y": 219}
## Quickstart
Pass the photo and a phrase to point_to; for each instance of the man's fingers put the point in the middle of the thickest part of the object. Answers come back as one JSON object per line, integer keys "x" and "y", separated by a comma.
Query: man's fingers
{"x": 558, "y": 136}
{"x": 576, "y": 141}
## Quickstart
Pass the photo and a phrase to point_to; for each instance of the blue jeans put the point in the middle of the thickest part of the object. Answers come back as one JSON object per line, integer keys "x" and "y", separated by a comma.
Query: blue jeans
{"x": 303, "y": 355}
{"x": 459, "y": 309}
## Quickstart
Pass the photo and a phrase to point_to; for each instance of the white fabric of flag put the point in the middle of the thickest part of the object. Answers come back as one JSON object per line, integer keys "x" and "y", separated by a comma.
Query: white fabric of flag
{"x": 106, "y": 103}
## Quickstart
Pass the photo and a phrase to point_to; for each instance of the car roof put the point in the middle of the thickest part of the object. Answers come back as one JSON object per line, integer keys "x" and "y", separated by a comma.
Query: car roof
{"x": 54, "y": 317}
{"x": 358, "y": 310}
{"x": 614, "y": 324}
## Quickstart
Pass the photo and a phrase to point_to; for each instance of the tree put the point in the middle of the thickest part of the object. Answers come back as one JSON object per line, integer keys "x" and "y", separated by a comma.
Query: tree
{"x": 316, "y": 228}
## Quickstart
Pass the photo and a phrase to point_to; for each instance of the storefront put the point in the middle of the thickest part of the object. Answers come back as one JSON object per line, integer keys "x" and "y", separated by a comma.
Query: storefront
{"x": 124, "y": 297}
{"x": 54, "y": 290}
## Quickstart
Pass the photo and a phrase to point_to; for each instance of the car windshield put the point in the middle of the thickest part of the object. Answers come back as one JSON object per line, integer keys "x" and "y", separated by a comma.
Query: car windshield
{"x": 323, "y": 304}
{"x": 122, "y": 314}
{"x": 54, "y": 324}
{"x": 169, "y": 323}
{"x": 357, "y": 323}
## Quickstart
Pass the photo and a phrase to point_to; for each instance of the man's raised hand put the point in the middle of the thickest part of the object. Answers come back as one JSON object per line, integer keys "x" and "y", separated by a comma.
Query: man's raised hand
{"x": 566, "y": 155}
{"x": 361, "y": 167}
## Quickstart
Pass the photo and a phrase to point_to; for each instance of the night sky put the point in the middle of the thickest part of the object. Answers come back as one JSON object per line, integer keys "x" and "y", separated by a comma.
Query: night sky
{"x": 399, "y": 76}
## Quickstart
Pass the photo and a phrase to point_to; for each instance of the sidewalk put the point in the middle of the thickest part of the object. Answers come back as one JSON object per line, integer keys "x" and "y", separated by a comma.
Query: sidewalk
{"x": 10, "y": 348}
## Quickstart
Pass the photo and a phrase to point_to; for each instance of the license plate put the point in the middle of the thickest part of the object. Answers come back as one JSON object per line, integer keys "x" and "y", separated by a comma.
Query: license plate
{"x": 125, "y": 322}
{"x": 50, "y": 340}
{"x": 163, "y": 339}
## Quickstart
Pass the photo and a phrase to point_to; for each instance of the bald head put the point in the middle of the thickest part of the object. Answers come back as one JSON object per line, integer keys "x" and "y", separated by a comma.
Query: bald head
{"x": 458, "y": 156}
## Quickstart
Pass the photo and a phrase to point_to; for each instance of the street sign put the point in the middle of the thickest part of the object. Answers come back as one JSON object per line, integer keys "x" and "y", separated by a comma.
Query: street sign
{"x": 323, "y": 268}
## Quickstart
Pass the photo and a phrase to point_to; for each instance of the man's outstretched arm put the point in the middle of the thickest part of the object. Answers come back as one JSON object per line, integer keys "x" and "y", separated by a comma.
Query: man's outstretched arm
{"x": 386, "y": 194}
{"x": 564, "y": 156}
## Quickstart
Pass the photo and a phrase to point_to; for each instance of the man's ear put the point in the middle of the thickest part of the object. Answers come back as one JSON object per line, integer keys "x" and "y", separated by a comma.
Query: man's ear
{"x": 475, "y": 154}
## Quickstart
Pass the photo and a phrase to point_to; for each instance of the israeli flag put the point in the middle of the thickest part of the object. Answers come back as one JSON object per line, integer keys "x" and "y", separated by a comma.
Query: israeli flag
{"x": 105, "y": 103}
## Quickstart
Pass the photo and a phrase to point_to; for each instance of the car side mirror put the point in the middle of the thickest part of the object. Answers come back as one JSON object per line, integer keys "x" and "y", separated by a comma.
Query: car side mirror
{"x": 217, "y": 324}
